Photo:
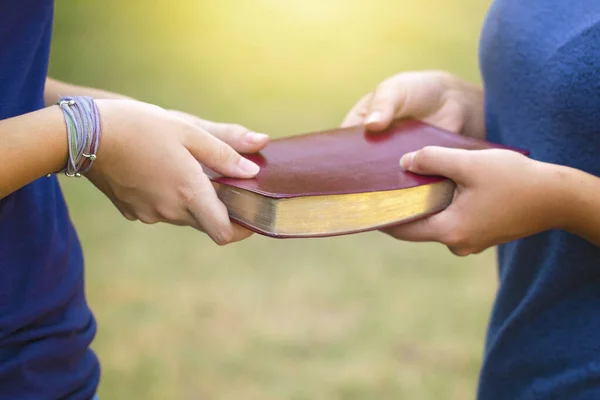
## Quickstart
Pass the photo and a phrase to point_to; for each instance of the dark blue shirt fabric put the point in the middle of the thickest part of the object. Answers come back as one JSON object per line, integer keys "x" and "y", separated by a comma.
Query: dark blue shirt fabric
{"x": 540, "y": 63}
{"x": 45, "y": 324}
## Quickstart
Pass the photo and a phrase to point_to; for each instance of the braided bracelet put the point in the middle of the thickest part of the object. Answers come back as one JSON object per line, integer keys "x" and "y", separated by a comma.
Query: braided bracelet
{"x": 83, "y": 133}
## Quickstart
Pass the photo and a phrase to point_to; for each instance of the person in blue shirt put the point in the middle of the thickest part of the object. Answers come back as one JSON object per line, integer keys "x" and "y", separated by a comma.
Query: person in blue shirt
{"x": 540, "y": 67}
{"x": 147, "y": 164}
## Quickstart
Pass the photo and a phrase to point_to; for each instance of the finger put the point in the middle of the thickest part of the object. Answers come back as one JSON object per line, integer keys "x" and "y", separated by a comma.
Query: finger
{"x": 189, "y": 219}
{"x": 423, "y": 230}
{"x": 218, "y": 155}
{"x": 240, "y": 233}
{"x": 387, "y": 101}
{"x": 358, "y": 113}
{"x": 237, "y": 136}
{"x": 433, "y": 160}
{"x": 208, "y": 212}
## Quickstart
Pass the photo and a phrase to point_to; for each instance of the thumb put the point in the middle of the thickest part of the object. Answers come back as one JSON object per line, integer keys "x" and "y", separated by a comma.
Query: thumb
{"x": 218, "y": 155}
{"x": 387, "y": 99}
{"x": 433, "y": 160}
{"x": 237, "y": 136}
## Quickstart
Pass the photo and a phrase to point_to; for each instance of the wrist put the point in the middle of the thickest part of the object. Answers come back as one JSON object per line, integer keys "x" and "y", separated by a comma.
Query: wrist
{"x": 562, "y": 193}
{"x": 120, "y": 120}
{"x": 579, "y": 191}
{"x": 108, "y": 110}
{"x": 83, "y": 127}
{"x": 57, "y": 143}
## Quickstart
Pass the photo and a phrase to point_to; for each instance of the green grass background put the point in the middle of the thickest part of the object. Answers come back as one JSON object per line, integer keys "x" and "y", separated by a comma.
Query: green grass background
{"x": 357, "y": 317}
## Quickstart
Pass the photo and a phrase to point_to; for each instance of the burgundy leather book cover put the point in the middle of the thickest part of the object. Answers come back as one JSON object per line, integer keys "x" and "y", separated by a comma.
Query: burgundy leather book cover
{"x": 346, "y": 160}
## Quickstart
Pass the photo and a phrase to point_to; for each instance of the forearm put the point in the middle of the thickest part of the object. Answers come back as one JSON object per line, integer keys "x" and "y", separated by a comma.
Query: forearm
{"x": 35, "y": 144}
{"x": 579, "y": 195}
{"x": 55, "y": 89}
{"x": 31, "y": 146}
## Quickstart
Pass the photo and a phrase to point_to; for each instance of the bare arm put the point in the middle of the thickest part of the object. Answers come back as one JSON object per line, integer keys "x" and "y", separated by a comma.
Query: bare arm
{"x": 35, "y": 144}
{"x": 56, "y": 89}
{"x": 31, "y": 146}
{"x": 130, "y": 169}
{"x": 583, "y": 211}
{"x": 502, "y": 196}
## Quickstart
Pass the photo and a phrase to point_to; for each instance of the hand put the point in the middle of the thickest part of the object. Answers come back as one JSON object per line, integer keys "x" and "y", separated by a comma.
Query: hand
{"x": 149, "y": 165}
{"x": 237, "y": 136}
{"x": 435, "y": 97}
{"x": 501, "y": 196}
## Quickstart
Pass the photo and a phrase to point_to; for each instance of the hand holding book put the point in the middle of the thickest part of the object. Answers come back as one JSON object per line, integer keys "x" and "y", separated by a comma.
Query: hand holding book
{"x": 451, "y": 187}
{"x": 434, "y": 97}
{"x": 348, "y": 180}
{"x": 500, "y": 195}
{"x": 340, "y": 181}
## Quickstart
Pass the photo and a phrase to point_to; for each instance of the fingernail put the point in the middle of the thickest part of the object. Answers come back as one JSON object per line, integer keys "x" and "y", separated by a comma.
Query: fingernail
{"x": 248, "y": 167}
{"x": 256, "y": 138}
{"x": 407, "y": 160}
{"x": 373, "y": 118}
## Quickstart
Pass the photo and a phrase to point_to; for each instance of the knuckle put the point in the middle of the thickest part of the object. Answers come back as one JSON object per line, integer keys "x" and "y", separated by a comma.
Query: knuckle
{"x": 238, "y": 130}
{"x": 187, "y": 196}
{"x": 129, "y": 216}
{"x": 458, "y": 241}
{"x": 441, "y": 75}
{"x": 125, "y": 211}
{"x": 225, "y": 154}
{"x": 149, "y": 219}
{"x": 428, "y": 151}
{"x": 423, "y": 157}
{"x": 462, "y": 164}
{"x": 461, "y": 251}
{"x": 388, "y": 91}
{"x": 168, "y": 214}
{"x": 455, "y": 238}
{"x": 223, "y": 235}
{"x": 187, "y": 132}
{"x": 393, "y": 81}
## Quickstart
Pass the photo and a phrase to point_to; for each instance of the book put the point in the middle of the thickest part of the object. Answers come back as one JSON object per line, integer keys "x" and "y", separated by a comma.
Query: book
{"x": 340, "y": 181}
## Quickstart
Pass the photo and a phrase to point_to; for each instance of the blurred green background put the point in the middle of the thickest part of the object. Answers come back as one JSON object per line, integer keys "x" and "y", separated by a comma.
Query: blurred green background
{"x": 357, "y": 317}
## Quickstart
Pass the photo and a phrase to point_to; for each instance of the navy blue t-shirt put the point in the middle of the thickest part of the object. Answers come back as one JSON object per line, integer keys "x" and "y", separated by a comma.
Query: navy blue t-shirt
{"x": 540, "y": 62}
{"x": 45, "y": 324}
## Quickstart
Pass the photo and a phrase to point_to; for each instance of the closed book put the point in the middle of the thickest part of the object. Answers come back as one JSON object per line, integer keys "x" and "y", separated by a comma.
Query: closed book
{"x": 341, "y": 181}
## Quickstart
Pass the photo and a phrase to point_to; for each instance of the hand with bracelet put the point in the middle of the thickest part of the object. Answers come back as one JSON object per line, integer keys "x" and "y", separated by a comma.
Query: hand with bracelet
{"x": 148, "y": 159}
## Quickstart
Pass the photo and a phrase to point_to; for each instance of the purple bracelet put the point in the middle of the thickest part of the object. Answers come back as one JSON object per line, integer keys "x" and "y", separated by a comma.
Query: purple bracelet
{"x": 83, "y": 133}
